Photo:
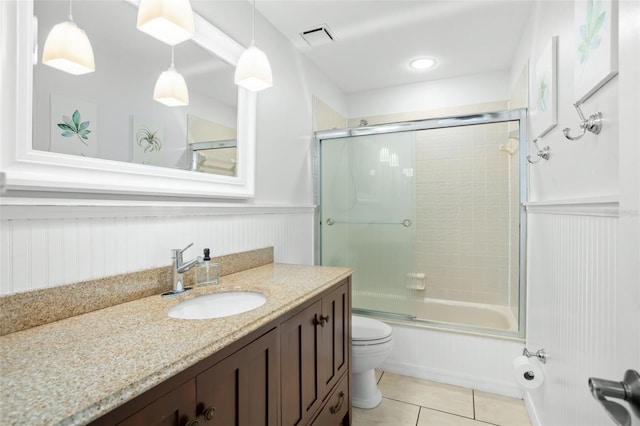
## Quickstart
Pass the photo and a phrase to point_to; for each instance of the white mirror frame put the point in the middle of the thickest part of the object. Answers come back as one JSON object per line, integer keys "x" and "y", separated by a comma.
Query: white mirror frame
{"x": 27, "y": 169}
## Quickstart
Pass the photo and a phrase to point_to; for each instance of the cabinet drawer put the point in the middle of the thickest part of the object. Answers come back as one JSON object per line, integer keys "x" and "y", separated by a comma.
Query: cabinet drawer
{"x": 337, "y": 405}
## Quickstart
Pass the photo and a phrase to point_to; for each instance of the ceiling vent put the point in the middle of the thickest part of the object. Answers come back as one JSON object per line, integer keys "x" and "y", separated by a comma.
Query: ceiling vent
{"x": 318, "y": 36}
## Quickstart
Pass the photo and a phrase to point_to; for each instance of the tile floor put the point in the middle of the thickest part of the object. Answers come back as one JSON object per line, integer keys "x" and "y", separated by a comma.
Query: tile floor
{"x": 407, "y": 401}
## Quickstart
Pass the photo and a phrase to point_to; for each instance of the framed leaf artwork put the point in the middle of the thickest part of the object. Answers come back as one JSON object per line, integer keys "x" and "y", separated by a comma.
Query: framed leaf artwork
{"x": 596, "y": 45}
{"x": 544, "y": 94}
{"x": 74, "y": 126}
{"x": 147, "y": 141}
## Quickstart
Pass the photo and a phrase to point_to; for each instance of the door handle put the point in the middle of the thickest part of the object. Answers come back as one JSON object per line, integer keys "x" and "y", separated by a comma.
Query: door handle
{"x": 628, "y": 390}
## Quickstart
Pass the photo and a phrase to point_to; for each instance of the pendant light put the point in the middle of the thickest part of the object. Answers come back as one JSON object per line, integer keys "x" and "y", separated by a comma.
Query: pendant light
{"x": 171, "y": 89}
{"x": 253, "y": 71}
{"x": 170, "y": 21}
{"x": 67, "y": 48}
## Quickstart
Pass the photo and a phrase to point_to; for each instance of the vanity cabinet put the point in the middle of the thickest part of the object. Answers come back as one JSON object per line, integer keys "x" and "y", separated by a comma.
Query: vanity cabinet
{"x": 243, "y": 388}
{"x": 172, "y": 409}
{"x": 292, "y": 371}
{"x": 315, "y": 353}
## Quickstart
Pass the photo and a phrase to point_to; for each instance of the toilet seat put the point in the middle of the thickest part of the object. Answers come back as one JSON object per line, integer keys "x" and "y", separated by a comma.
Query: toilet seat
{"x": 369, "y": 332}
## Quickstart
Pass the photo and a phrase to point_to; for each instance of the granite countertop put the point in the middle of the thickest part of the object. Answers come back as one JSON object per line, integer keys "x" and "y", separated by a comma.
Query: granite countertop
{"x": 74, "y": 370}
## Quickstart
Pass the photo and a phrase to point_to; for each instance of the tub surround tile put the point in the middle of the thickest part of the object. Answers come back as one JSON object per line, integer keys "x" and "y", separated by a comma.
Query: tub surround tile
{"x": 438, "y": 396}
{"x": 72, "y": 371}
{"x": 499, "y": 409}
{"x": 21, "y": 311}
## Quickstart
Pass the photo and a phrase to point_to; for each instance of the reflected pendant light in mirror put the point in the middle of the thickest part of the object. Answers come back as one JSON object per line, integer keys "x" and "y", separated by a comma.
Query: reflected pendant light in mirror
{"x": 171, "y": 89}
{"x": 170, "y": 21}
{"x": 253, "y": 71}
{"x": 67, "y": 48}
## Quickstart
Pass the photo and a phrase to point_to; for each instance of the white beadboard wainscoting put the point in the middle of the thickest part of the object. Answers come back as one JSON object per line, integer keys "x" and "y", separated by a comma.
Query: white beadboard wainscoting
{"x": 572, "y": 295}
{"x": 45, "y": 244}
{"x": 469, "y": 360}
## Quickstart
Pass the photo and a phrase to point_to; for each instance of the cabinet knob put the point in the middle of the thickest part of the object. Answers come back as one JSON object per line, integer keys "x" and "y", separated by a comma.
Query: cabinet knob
{"x": 338, "y": 406}
{"x": 321, "y": 320}
{"x": 208, "y": 413}
{"x": 324, "y": 319}
{"x": 193, "y": 423}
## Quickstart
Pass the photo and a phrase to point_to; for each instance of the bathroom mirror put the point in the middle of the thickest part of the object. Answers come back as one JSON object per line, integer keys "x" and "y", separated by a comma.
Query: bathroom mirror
{"x": 212, "y": 146}
{"x": 128, "y": 123}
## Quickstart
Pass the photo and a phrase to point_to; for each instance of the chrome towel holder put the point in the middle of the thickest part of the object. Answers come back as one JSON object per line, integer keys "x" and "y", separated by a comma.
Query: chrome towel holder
{"x": 592, "y": 124}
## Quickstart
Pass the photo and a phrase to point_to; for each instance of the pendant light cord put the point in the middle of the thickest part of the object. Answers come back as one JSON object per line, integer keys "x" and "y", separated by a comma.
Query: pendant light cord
{"x": 70, "y": 10}
{"x": 172, "y": 57}
{"x": 253, "y": 24}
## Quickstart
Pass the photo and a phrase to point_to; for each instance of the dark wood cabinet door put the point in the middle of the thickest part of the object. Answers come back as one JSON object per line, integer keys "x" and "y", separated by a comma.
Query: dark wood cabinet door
{"x": 335, "y": 337}
{"x": 243, "y": 389}
{"x": 176, "y": 408}
{"x": 299, "y": 338}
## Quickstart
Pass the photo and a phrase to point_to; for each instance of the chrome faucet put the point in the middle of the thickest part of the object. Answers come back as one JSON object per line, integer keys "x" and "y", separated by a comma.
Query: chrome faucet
{"x": 178, "y": 268}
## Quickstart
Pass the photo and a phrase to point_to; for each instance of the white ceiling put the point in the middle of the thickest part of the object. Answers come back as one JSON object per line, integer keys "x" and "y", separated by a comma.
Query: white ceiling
{"x": 375, "y": 39}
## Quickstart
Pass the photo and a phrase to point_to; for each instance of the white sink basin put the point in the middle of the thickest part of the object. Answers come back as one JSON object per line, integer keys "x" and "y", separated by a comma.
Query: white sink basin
{"x": 217, "y": 305}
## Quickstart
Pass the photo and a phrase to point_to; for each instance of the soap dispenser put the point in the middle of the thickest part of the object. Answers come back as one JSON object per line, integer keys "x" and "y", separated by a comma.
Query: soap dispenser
{"x": 208, "y": 272}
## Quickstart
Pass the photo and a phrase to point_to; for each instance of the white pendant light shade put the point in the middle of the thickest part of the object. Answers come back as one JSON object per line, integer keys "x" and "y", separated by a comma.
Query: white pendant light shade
{"x": 67, "y": 48}
{"x": 170, "y": 21}
{"x": 171, "y": 89}
{"x": 253, "y": 71}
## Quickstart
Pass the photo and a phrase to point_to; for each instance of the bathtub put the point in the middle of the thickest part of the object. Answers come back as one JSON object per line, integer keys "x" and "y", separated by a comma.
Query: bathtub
{"x": 466, "y": 313}
{"x": 460, "y": 343}
{"x": 439, "y": 312}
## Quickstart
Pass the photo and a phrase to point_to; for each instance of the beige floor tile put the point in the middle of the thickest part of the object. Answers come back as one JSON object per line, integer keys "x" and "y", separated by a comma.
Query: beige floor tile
{"x": 389, "y": 412}
{"x": 500, "y": 410}
{"x": 432, "y": 418}
{"x": 452, "y": 399}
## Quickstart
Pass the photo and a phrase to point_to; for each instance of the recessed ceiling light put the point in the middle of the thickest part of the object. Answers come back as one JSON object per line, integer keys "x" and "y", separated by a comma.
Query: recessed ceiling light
{"x": 422, "y": 63}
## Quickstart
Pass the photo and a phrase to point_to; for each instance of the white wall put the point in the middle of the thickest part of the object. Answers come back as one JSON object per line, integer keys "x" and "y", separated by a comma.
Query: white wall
{"x": 585, "y": 168}
{"x": 439, "y": 94}
{"x": 583, "y": 293}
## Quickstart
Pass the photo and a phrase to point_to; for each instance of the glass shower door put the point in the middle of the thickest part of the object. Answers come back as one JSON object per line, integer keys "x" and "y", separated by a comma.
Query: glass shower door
{"x": 368, "y": 217}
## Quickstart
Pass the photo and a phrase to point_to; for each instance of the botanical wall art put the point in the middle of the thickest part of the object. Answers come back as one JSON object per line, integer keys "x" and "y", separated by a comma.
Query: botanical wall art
{"x": 544, "y": 95}
{"x": 596, "y": 47}
{"x": 74, "y": 126}
{"x": 147, "y": 141}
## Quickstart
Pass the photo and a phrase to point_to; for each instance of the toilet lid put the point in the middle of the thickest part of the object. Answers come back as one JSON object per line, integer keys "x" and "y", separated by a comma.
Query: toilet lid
{"x": 368, "y": 329}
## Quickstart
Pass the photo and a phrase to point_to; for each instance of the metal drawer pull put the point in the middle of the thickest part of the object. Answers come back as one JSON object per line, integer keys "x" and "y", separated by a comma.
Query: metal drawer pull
{"x": 208, "y": 413}
{"x": 338, "y": 406}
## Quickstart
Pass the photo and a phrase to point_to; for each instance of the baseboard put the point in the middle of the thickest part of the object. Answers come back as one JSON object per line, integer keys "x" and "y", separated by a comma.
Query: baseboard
{"x": 451, "y": 377}
{"x": 531, "y": 409}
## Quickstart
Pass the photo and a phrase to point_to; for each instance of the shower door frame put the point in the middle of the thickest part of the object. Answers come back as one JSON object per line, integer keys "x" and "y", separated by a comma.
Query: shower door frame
{"x": 519, "y": 115}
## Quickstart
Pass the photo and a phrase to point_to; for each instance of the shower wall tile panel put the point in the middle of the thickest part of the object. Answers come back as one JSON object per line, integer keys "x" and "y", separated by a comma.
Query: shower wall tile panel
{"x": 463, "y": 242}
{"x": 572, "y": 313}
{"x": 45, "y": 250}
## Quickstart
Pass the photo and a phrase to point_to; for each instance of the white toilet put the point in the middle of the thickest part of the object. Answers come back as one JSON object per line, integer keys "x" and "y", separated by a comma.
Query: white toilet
{"x": 371, "y": 343}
